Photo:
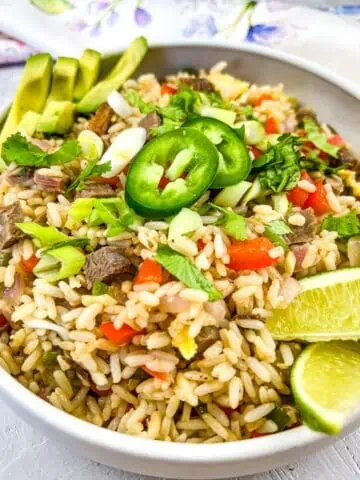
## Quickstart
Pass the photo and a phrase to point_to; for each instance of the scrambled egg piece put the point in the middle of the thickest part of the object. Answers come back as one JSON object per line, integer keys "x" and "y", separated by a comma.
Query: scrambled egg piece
{"x": 350, "y": 180}
{"x": 229, "y": 87}
{"x": 182, "y": 340}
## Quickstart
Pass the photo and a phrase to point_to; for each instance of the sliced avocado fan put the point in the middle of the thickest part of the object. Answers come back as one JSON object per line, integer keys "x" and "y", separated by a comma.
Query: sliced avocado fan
{"x": 124, "y": 68}
{"x": 57, "y": 118}
{"x": 31, "y": 93}
{"x": 28, "y": 123}
{"x": 88, "y": 72}
{"x": 63, "y": 83}
{"x": 54, "y": 7}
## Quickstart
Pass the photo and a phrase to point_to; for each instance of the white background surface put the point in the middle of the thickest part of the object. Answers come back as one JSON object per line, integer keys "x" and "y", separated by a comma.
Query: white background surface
{"x": 26, "y": 454}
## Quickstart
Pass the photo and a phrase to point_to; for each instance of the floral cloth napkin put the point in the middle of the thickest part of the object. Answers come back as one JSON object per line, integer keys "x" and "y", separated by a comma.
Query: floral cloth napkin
{"x": 331, "y": 38}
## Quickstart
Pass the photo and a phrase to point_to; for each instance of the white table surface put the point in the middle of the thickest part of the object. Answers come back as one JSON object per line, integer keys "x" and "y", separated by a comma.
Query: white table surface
{"x": 27, "y": 455}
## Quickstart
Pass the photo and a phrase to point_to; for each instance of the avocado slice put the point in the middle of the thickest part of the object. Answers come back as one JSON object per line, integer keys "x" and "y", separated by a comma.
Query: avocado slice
{"x": 28, "y": 123}
{"x": 125, "y": 67}
{"x": 31, "y": 93}
{"x": 58, "y": 118}
{"x": 87, "y": 75}
{"x": 54, "y": 7}
{"x": 64, "y": 75}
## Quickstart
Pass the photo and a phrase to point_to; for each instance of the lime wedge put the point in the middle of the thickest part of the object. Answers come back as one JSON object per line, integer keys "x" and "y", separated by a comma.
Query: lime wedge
{"x": 327, "y": 308}
{"x": 325, "y": 383}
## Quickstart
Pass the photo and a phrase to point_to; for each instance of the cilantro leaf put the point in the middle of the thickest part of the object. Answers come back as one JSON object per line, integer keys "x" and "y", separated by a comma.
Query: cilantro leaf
{"x": 22, "y": 152}
{"x": 279, "y": 167}
{"x": 313, "y": 163}
{"x": 166, "y": 126}
{"x": 247, "y": 111}
{"x": 234, "y": 225}
{"x": 319, "y": 138}
{"x": 185, "y": 271}
{"x": 184, "y": 104}
{"x": 92, "y": 169}
{"x": 99, "y": 288}
{"x": 115, "y": 213}
{"x": 346, "y": 226}
{"x": 135, "y": 99}
{"x": 274, "y": 231}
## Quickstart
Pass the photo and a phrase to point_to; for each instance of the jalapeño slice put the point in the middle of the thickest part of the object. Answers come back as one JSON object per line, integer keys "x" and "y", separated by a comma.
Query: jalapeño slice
{"x": 171, "y": 172}
{"x": 234, "y": 158}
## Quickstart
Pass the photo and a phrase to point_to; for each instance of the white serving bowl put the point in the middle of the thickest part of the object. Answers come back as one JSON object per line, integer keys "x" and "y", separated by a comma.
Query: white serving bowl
{"x": 337, "y": 102}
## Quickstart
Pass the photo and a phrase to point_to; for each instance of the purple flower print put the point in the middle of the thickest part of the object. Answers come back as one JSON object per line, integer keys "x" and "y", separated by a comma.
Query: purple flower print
{"x": 262, "y": 33}
{"x": 78, "y": 25}
{"x": 345, "y": 9}
{"x": 102, "y": 4}
{"x": 142, "y": 17}
{"x": 96, "y": 30}
{"x": 201, "y": 26}
{"x": 112, "y": 18}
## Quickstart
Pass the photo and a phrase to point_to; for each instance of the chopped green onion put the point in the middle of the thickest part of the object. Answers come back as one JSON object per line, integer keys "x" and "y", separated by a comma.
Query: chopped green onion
{"x": 254, "y": 131}
{"x": 226, "y": 116}
{"x": 280, "y": 417}
{"x": 231, "y": 196}
{"x": 60, "y": 263}
{"x": 81, "y": 208}
{"x": 281, "y": 203}
{"x": 184, "y": 222}
{"x": 50, "y": 358}
{"x": 234, "y": 225}
{"x": 43, "y": 236}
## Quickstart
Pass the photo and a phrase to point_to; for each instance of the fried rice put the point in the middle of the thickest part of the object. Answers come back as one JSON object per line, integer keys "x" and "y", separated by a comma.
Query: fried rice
{"x": 228, "y": 389}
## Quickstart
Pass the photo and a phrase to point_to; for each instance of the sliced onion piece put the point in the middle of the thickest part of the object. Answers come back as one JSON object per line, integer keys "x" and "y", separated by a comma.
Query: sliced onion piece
{"x": 91, "y": 145}
{"x": 125, "y": 146}
{"x": 118, "y": 103}
{"x": 46, "y": 325}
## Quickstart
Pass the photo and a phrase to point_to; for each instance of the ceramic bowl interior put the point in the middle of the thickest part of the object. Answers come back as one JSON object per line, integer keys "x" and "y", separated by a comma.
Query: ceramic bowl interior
{"x": 335, "y": 105}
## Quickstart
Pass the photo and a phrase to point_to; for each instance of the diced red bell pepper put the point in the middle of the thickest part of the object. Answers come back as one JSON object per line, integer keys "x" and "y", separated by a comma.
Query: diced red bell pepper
{"x": 336, "y": 140}
{"x": 258, "y": 101}
{"x": 30, "y": 263}
{"x": 323, "y": 155}
{"x": 169, "y": 89}
{"x": 227, "y": 410}
{"x": 271, "y": 126}
{"x": 159, "y": 375}
{"x": 113, "y": 181}
{"x": 201, "y": 244}
{"x": 121, "y": 337}
{"x": 297, "y": 196}
{"x": 317, "y": 200}
{"x": 149, "y": 271}
{"x": 3, "y": 322}
{"x": 256, "y": 152}
{"x": 251, "y": 254}
{"x": 258, "y": 435}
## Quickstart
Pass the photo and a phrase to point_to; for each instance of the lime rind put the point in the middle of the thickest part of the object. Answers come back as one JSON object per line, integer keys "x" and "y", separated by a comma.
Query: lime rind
{"x": 310, "y": 396}
{"x": 327, "y": 308}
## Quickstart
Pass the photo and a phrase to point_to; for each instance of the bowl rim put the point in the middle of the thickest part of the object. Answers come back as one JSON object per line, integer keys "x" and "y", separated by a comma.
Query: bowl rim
{"x": 182, "y": 453}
